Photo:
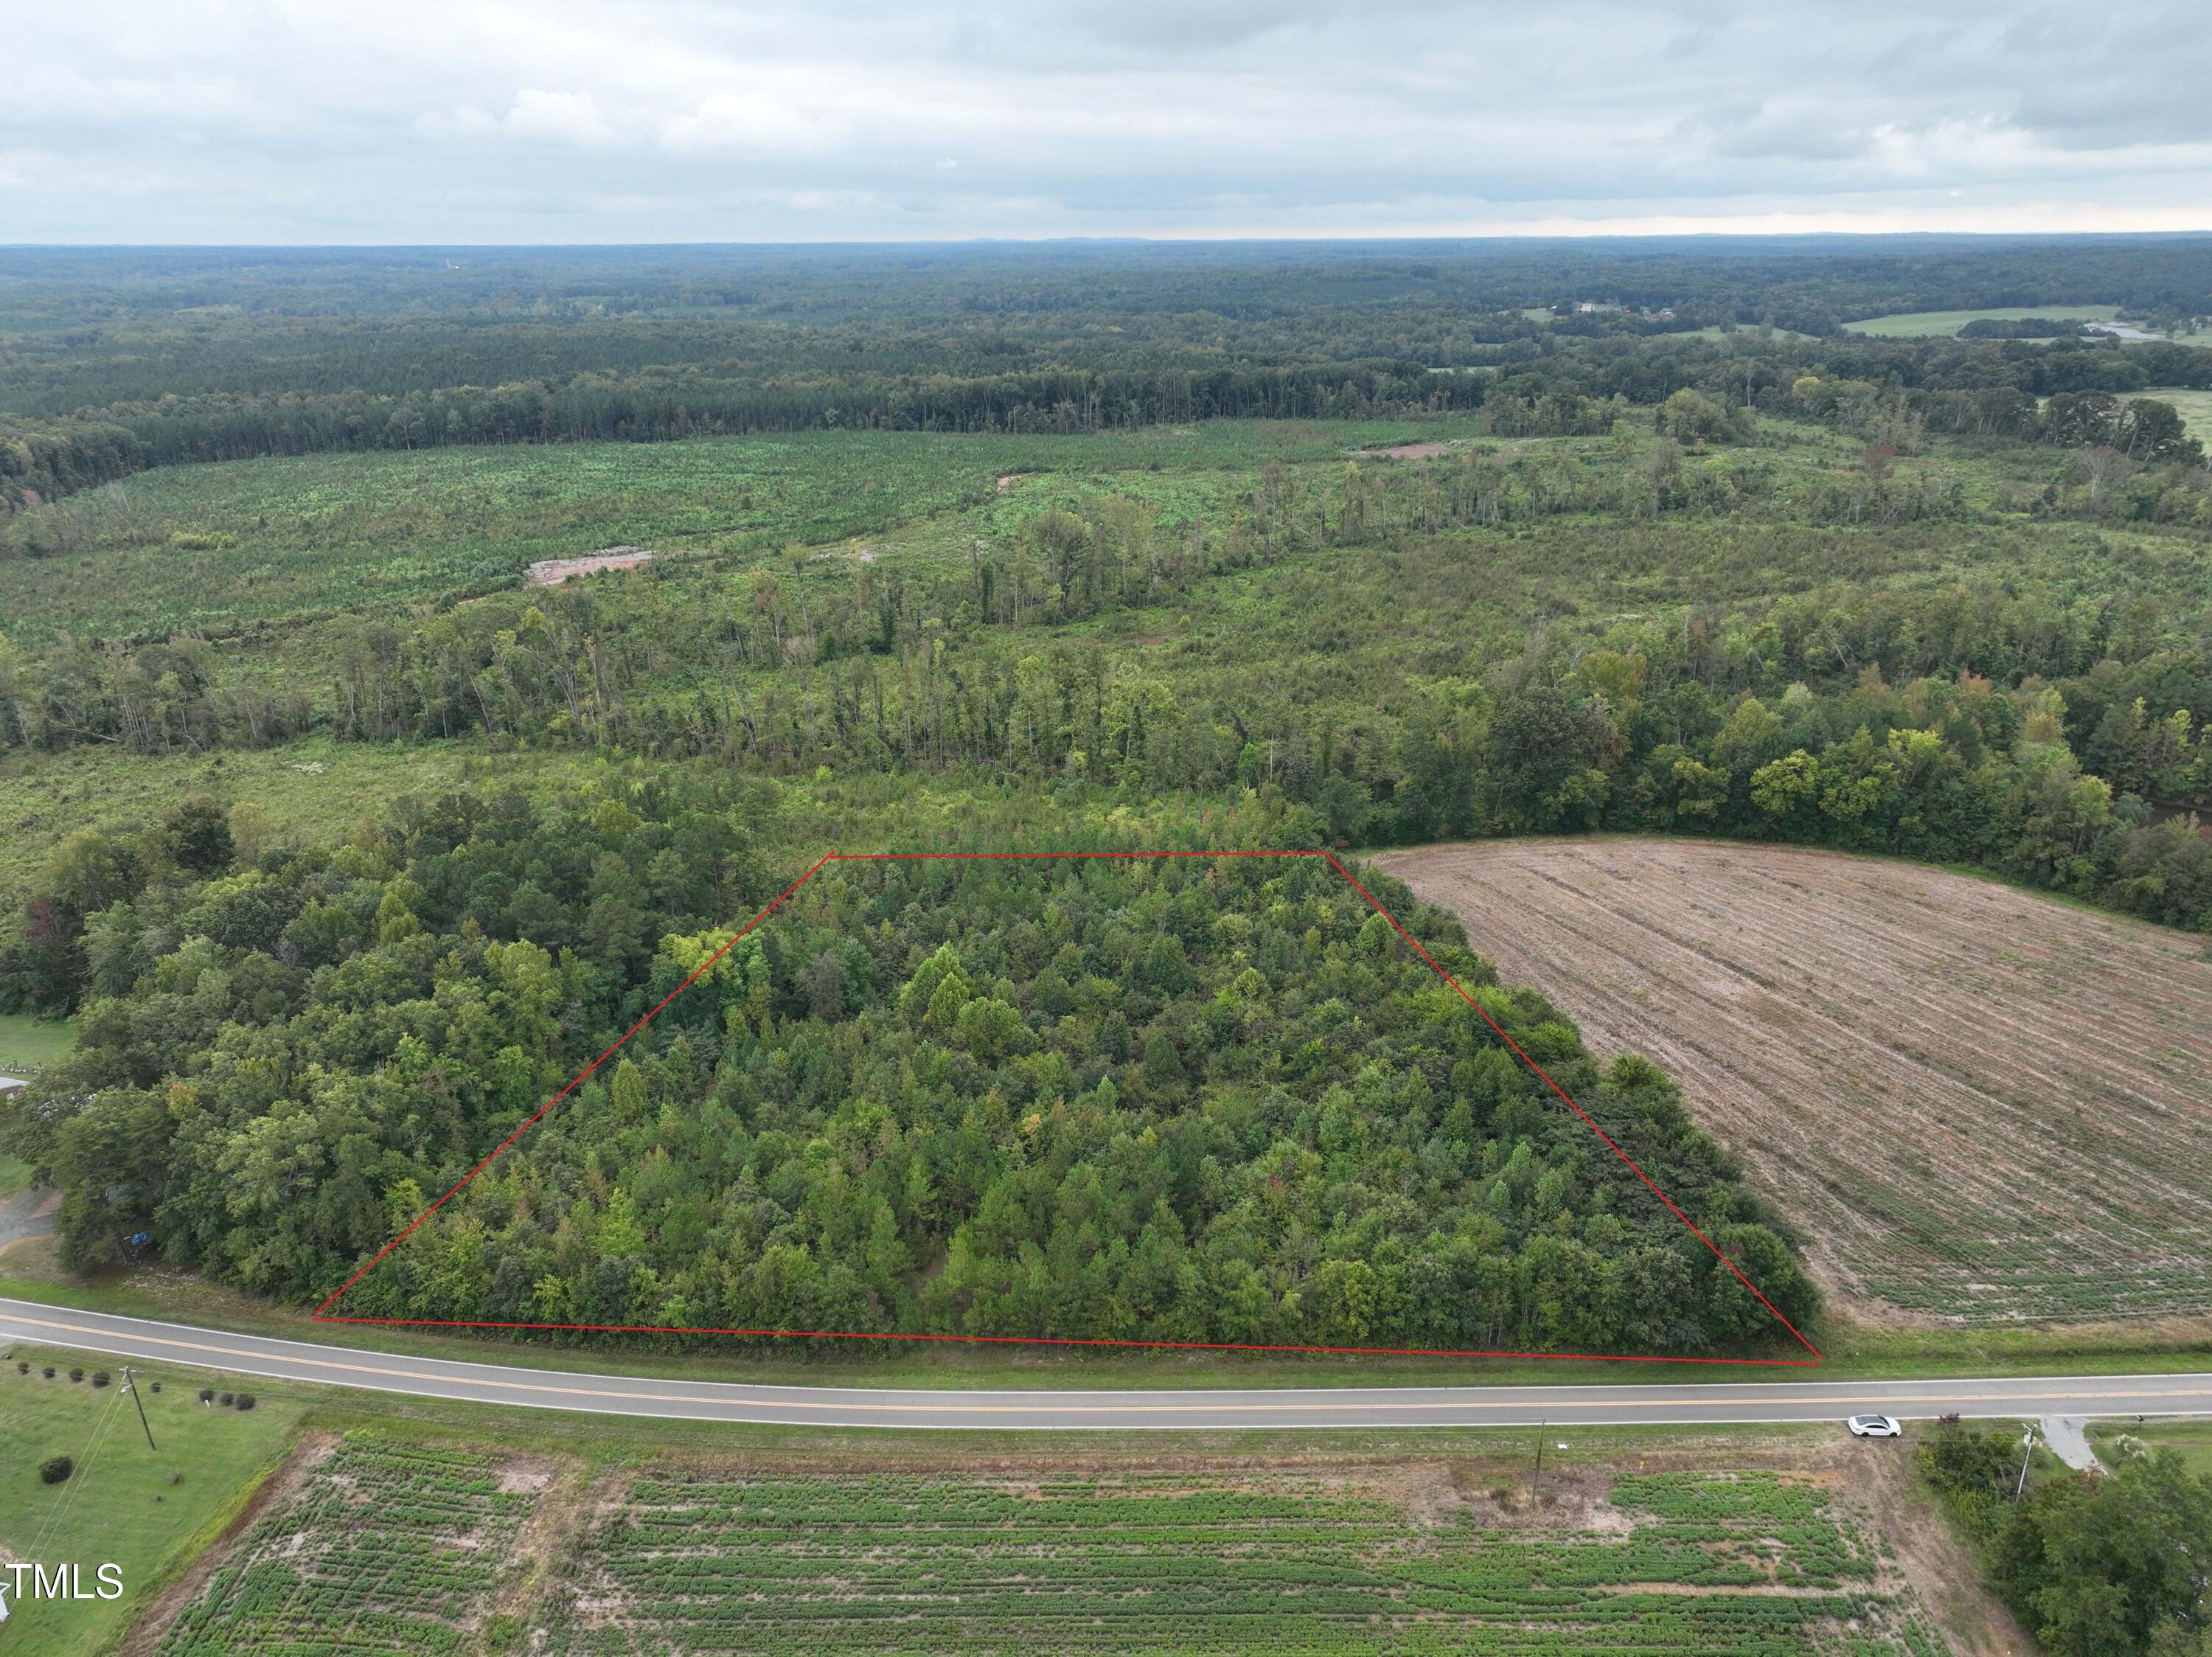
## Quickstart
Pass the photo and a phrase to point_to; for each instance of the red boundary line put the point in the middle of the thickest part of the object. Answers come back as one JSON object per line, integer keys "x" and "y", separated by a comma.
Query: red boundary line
{"x": 322, "y": 1313}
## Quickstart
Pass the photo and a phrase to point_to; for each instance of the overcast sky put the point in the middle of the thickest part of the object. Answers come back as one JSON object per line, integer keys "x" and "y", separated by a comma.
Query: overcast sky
{"x": 710, "y": 120}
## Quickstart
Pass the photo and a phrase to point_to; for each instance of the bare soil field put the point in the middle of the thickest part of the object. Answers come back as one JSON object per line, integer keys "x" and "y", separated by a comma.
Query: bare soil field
{"x": 1977, "y": 1105}
{"x": 552, "y": 572}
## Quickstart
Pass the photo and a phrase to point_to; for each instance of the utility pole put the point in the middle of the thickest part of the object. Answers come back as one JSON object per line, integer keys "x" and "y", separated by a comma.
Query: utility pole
{"x": 2026, "y": 1450}
{"x": 1536, "y": 1484}
{"x": 130, "y": 1386}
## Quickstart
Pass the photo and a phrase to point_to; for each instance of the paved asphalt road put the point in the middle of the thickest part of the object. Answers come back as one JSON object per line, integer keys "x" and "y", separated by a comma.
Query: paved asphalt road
{"x": 1682, "y": 1400}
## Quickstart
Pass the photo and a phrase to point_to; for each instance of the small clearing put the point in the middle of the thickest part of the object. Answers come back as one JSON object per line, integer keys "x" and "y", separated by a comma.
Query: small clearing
{"x": 1404, "y": 452}
{"x": 1978, "y": 1104}
{"x": 552, "y": 572}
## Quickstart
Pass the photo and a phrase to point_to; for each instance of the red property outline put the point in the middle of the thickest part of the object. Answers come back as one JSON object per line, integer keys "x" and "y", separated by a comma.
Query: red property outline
{"x": 323, "y": 1313}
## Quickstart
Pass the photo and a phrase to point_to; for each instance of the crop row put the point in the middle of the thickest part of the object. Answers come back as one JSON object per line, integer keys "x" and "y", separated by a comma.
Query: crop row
{"x": 384, "y": 1548}
{"x": 896, "y": 1563}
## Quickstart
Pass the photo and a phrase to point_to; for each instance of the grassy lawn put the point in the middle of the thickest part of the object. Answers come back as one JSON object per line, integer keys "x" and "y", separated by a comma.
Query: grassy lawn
{"x": 28, "y": 1044}
{"x": 14, "y": 1175}
{"x": 120, "y": 1505}
{"x": 2192, "y": 1439}
{"x": 1927, "y": 324}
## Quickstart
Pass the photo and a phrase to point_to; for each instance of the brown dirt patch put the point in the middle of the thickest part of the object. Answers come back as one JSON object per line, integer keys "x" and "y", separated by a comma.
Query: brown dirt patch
{"x": 1404, "y": 452}
{"x": 1979, "y": 1104}
{"x": 1932, "y": 1560}
{"x": 552, "y": 572}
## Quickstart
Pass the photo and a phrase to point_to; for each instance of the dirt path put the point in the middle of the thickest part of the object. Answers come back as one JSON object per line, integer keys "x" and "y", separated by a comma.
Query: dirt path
{"x": 27, "y": 1214}
{"x": 1978, "y": 1104}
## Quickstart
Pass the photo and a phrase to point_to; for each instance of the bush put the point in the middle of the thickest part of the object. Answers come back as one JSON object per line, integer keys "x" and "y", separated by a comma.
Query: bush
{"x": 207, "y": 1395}
{"x": 77, "y": 1374}
{"x": 22, "y": 1367}
{"x": 246, "y": 1400}
{"x": 1973, "y": 1473}
{"x": 100, "y": 1378}
{"x": 54, "y": 1469}
{"x": 156, "y": 1386}
{"x": 48, "y": 1371}
{"x": 223, "y": 1399}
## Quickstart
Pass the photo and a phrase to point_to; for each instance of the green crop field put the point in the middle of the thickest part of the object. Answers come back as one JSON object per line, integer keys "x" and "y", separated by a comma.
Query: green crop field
{"x": 211, "y": 548}
{"x": 384, "y": 1547}
{"x": 122, "y": 1504}
{"x": 1715, "y": 1564}
{"x": 379, "y": 1546}
{"x": 1929, "y": 324}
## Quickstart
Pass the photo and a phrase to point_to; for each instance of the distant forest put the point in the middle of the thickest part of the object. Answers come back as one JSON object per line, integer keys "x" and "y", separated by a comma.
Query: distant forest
{"x": 115, "y": 360}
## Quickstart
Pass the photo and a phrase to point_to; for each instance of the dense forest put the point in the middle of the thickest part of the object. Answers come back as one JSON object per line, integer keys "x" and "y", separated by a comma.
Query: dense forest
{"x": 110, "y": 363}
{"x": 1203, "y": 1099}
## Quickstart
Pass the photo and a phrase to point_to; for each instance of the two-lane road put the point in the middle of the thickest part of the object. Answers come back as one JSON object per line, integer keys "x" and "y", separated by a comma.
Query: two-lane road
{"x": 1672, "y": 1401}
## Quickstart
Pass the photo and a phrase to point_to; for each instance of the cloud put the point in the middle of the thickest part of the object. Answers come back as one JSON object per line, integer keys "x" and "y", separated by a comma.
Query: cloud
{"x": 698, "y": 120}
{"x": 536, "y": 116}
{"x": 558, "y": 117}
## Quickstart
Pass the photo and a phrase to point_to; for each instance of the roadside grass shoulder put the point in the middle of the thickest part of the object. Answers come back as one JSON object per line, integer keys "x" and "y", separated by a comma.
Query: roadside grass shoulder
{"x": 1849, "y": 1353}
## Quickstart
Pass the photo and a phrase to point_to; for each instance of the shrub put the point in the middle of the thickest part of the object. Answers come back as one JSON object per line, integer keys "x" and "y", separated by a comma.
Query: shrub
{"x": 223, "y": 1399}
{"x": 100, "y": 1378}
{"x": 54, "y": 1469}
{"x": 207, "y": 1395}
{"x": 156, "y": 1386}
{"x": 48, "y": 1371}
{"x": 77, "y": 1374}
{"x": 246, "y": 1400}
{"x": 22, "y": 1367}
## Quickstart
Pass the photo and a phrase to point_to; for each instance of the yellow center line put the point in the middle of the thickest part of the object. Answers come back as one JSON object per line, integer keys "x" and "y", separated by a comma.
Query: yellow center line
{"x": 1353, "y": 1403}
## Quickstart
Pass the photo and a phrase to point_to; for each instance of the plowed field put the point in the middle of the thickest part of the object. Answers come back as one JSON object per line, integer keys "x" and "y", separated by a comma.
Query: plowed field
{"x": 1977, "y": 1105}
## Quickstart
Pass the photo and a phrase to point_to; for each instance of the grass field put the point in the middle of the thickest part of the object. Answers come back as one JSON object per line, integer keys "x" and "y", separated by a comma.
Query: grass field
{"x": 374, "y": 1547}
{"x": 121, "y": 1504}
{"x": 2191, "y": 1440}
{"x": 28, "y": 1044}
{"x": 306, "y": 788}
{"x": 2194, "y": 408}
{"x": 1927, "y": 324}
{"x": 1990, "y": 1107}
{"x": 212, "y": 547}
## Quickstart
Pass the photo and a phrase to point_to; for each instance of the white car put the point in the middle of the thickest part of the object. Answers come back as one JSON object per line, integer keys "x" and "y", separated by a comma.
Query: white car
{"x": 1874, "y": 1426}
